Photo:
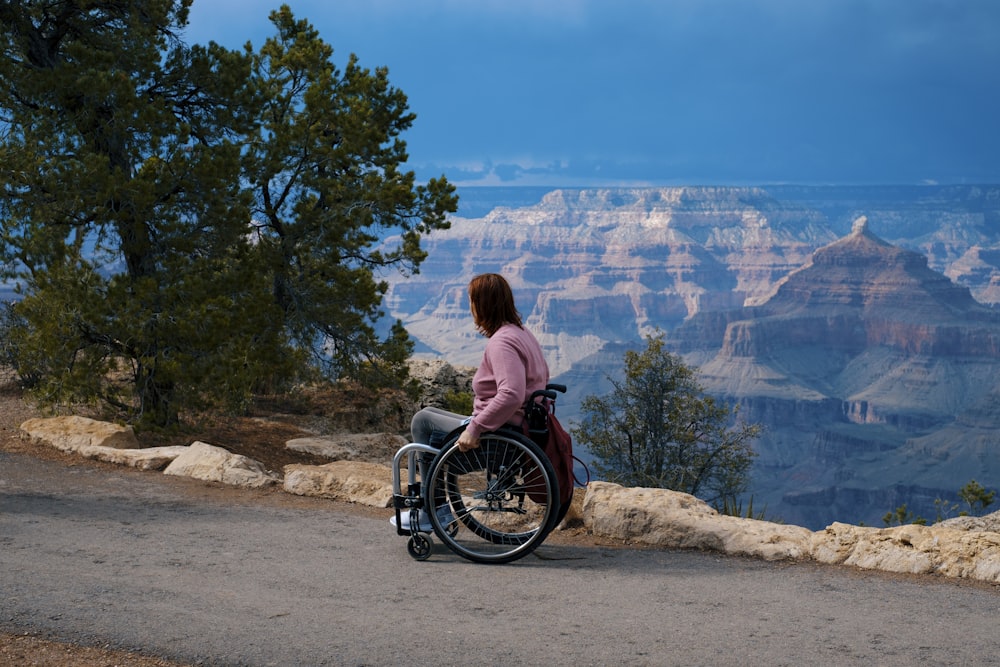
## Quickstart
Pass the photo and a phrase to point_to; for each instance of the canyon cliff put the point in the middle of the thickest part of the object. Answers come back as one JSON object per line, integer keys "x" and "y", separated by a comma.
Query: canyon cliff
{"x": 869, "y": 358}
{"x": 875, "y": 376}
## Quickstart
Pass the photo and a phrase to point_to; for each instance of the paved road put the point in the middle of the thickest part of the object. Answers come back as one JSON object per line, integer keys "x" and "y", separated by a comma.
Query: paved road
{"x": 212, "y": 576}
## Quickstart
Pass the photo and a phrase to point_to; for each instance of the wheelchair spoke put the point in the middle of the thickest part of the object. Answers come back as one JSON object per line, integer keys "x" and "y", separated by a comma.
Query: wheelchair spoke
{"x": 500, "y": 497}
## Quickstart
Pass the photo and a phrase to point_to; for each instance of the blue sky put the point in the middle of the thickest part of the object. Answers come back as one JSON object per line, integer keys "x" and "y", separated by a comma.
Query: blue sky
{"x": 636, "y": 92}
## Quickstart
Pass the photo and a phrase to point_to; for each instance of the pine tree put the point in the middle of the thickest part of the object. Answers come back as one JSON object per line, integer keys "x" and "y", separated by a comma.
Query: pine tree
{"x": 324, "y": 162}
{"x": 976, "y": 497}
{"x": 657, "y": 428}
{"x": 181, "y": 220}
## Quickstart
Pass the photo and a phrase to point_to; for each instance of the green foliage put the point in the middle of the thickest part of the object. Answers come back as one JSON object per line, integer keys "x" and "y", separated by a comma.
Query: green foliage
{"x": 323, "y": 161}
{"x": 191, "y": 223}
{"x": 12, "y": 331}
{"x": 901, "y": 516}
{"x": 943, "y": 509}
{"x": 976, "y": 497}
{"x": 733, "y": 507}
{"x": 657, "y": 428}
{"x": 459, "y": 402}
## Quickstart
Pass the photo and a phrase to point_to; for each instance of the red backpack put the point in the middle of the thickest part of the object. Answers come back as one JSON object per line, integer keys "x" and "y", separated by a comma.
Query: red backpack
{"x": 544, "y": 429}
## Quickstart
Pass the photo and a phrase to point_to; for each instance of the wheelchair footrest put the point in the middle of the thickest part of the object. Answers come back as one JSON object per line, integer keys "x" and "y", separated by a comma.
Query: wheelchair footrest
{"x": 402, "y": 502}
{"x": 406, "y": 508}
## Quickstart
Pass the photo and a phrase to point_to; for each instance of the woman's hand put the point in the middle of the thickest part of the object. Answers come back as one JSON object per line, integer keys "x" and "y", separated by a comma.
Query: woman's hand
{"x": 467, "y": 442}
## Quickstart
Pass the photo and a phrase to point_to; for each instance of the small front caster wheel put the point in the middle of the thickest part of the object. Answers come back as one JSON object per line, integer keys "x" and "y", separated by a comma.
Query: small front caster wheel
{"x": 419, "y": 546}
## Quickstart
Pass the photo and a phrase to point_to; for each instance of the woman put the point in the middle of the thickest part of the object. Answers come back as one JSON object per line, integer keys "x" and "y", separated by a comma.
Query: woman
{"x": 512, "y": 367}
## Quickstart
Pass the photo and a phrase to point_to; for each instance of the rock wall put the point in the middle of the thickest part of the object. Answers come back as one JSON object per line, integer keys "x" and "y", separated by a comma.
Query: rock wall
{"x": 967, "y": 548}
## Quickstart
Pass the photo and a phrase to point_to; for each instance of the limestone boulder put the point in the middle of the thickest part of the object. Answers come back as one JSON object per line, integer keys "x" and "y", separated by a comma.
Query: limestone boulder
{"x": 150, "y": 458}
{"x": 73, "y": 433}
{"x": 834, "y": 545}
{"x": 989, "y": 523}
{"x": 351, "y": 481}
{"x": 971, "y": 555}
{"x": 215, "y": 464}
{"x": 665, "y": 518}
{"x": 371, "y": 447}
{"x": 908, "y": 549}
{"x": 912, "y": 549}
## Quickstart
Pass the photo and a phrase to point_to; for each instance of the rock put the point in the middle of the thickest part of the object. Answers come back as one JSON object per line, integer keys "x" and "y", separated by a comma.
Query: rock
{"x": 665, "y": 518}
{"x": 99, "y": 440}
{"x": 215, "y": 464}
{"x": 912, "y": 549}
{"x": 438, "y": 378}
{"x": 372, "y": 447}
{"x": 973, "y": 555}
{"x": 834, "y": 545}
{"x": 71, "y": 434}
{"x": 150, "y": 458}
{"x": 352, "y": 481}
{"x": 669, "y": 519}
{"x": 907, "y": 549}
{"x": 990, "y": 522}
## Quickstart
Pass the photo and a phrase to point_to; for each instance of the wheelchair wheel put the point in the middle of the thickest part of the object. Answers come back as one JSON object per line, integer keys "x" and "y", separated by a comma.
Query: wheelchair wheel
{"x": 419, "y": 546}
{"x": 493, "y": 504}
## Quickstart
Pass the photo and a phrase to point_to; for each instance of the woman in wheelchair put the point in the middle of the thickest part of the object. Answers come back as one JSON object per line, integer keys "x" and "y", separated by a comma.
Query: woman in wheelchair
{"x": 511, "y": 369}
{"x": 479, "y": 480}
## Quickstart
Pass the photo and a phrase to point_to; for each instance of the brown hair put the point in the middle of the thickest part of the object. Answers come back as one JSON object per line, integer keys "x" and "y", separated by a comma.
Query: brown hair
{"x": 492, "y": 303}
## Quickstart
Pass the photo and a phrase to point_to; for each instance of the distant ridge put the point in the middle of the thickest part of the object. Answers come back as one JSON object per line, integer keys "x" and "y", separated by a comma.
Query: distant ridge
{"x": 477, "y": 201}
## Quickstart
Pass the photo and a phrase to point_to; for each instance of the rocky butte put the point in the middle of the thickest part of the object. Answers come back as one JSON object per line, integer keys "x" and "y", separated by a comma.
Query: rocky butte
{"x": 871, "y": 362}
{"x": 875, "y": 376}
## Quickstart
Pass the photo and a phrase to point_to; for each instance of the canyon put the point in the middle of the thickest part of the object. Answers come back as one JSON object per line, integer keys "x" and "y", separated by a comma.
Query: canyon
{"x": 857, "y": 324}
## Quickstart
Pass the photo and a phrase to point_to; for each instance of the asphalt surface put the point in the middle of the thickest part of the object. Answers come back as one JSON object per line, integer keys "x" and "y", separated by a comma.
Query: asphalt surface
{"x": 205, "y": 575}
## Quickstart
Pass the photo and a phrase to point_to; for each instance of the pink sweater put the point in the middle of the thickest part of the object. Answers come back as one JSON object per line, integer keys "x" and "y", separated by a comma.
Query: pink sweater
{"x": 512, "y": 367}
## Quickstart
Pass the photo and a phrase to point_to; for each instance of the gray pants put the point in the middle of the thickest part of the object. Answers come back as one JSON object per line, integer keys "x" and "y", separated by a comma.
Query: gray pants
{"x": 430, "y": 425}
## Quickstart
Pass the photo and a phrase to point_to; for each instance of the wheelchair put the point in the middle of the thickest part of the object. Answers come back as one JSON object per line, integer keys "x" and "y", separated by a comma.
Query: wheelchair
{"x": 493, "y": 504}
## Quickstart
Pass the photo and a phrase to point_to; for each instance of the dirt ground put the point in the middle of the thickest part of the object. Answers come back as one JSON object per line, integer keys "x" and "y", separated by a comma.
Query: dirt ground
{"x": 260, "y": 435}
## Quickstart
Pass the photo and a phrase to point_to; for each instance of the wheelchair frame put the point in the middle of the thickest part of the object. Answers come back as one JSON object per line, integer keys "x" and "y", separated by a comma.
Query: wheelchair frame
{"x": 492, "y": 504}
